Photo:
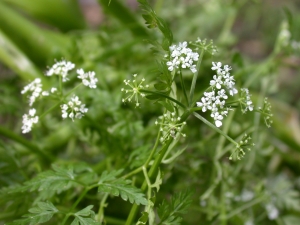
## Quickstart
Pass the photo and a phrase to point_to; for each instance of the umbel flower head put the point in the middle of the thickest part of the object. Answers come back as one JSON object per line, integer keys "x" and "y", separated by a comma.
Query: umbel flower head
{"x": 73, "y": 109}
{"x": 221, "y": 86}
{"x": 241, "y": 147}
{"x": 246, "y": 102}
{"x": 134, "y": 90}
{"x": 170, "y": 126}
{"x": 88, "y": 78}
{"x": 266, "y": 112}
{"x": 182, "y": 56}
{"x": 35, "y": 87}
{"x": 28, "y": 121}
{"x": 61, "y": 68}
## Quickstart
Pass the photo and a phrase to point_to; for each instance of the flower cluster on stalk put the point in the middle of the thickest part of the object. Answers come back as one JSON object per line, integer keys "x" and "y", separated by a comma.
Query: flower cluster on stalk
{"x": 61, "y": 68}
{"x": 221, "y": 85}
{"x": 134, "y": 90}
{"x": 182, "y": 56}
{"x": 170, "y": 126}
{"x": 28, "y": 121}
{"x": 73, "y": 109}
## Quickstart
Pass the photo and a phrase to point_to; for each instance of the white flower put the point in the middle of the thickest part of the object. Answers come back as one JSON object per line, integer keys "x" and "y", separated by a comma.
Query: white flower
{"x": 28, "y": 121}
{"x": 216, "y": 66}
{"x": 53, "y": 90}
{"x": 272, "y": 211}
{"x": 88, "y": 79}
{"x": 217, "y": 81}
{"x": 182, "y": 55}
{"x": 218, "y": 118}
{"x": 204, "y": 104}
{"x": 35, "y": 87}
{"x": 73, "y": 109}
{"x": 61, "y": 68}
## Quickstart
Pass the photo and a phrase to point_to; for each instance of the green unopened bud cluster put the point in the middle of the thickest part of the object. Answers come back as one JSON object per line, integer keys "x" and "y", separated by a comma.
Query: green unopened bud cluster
{"x": 170, "y": 126}
{"x": 207, "y": 46}
{"x": 243, "y": 145}
{"x": 266, "y": 112}
{"x": 134, "y": 90}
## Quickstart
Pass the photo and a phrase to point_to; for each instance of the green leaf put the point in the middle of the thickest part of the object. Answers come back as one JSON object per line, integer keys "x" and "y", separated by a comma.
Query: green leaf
{"x": 41, "y": 213}
{"x": 119, "y": 187}
{"x": 168, "y": 105}
{"x": 80, "y": 217}
{"x": 143, "y": 219}
{"x": 169, "y": 213}
{"x": 161, "y": 86}
{"x": 48, "y": 183}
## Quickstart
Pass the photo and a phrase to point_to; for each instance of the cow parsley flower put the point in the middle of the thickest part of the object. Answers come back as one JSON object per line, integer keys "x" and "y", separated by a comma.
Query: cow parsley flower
{"x": 88, "y": 78}
{"x": 134, "y": 90}
{"x": 28, "y": 120}
{"x": 61, "y": 68}
{"x": 182, "y": 56}
{"x": 221, "y": 86}
{"x": 170, "y": 126}
{"x": 73, "y": 109}
{"x": 35, "y": 87}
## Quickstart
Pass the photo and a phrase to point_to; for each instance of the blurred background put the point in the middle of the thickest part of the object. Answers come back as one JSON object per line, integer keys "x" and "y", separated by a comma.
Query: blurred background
{"x": 259, "y": 38}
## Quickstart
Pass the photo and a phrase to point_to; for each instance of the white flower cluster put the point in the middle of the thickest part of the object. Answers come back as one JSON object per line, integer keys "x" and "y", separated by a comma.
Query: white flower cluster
{"x": 170, "y": 126}
{"x": 215, "y": 99}
{"x": 28, "y": 121}
{"x": 74, "y": 109}
{"x": 35, "y": 87}
{"x": 88, "y": 79}
{"x": 134, "y": 90}
{"x": 61, "y": 68}
{"x": 182, "y": 56}
{"x": 246, "y": 103}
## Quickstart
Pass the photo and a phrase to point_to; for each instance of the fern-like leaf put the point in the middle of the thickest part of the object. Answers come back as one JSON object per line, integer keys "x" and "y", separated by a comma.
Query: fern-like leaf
{"x": 170, "y": 213}
{"x": 41, "y": 213}
{"x": 119, "y": 187}
{"x": 81, "y": 217}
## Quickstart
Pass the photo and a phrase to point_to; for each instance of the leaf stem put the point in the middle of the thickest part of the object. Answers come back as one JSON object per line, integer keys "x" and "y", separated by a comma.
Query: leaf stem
{"x": 195, "y": 78}
{"x": 163, "y": 95}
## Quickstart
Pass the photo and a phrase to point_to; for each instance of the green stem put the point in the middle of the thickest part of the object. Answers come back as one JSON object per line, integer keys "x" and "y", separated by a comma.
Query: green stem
{"x": 183, "y": 87}
{"x": 29, "y": 145}
{"x": 195, "y": 78}
{"x": 215, "y": 128}
{"x": 165, "y": 96}
{"x": 153, "y": 171}
{"x": 246, "y": 206}
{"x": 101, "y": 208}
{"x": 75, "y": 204}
